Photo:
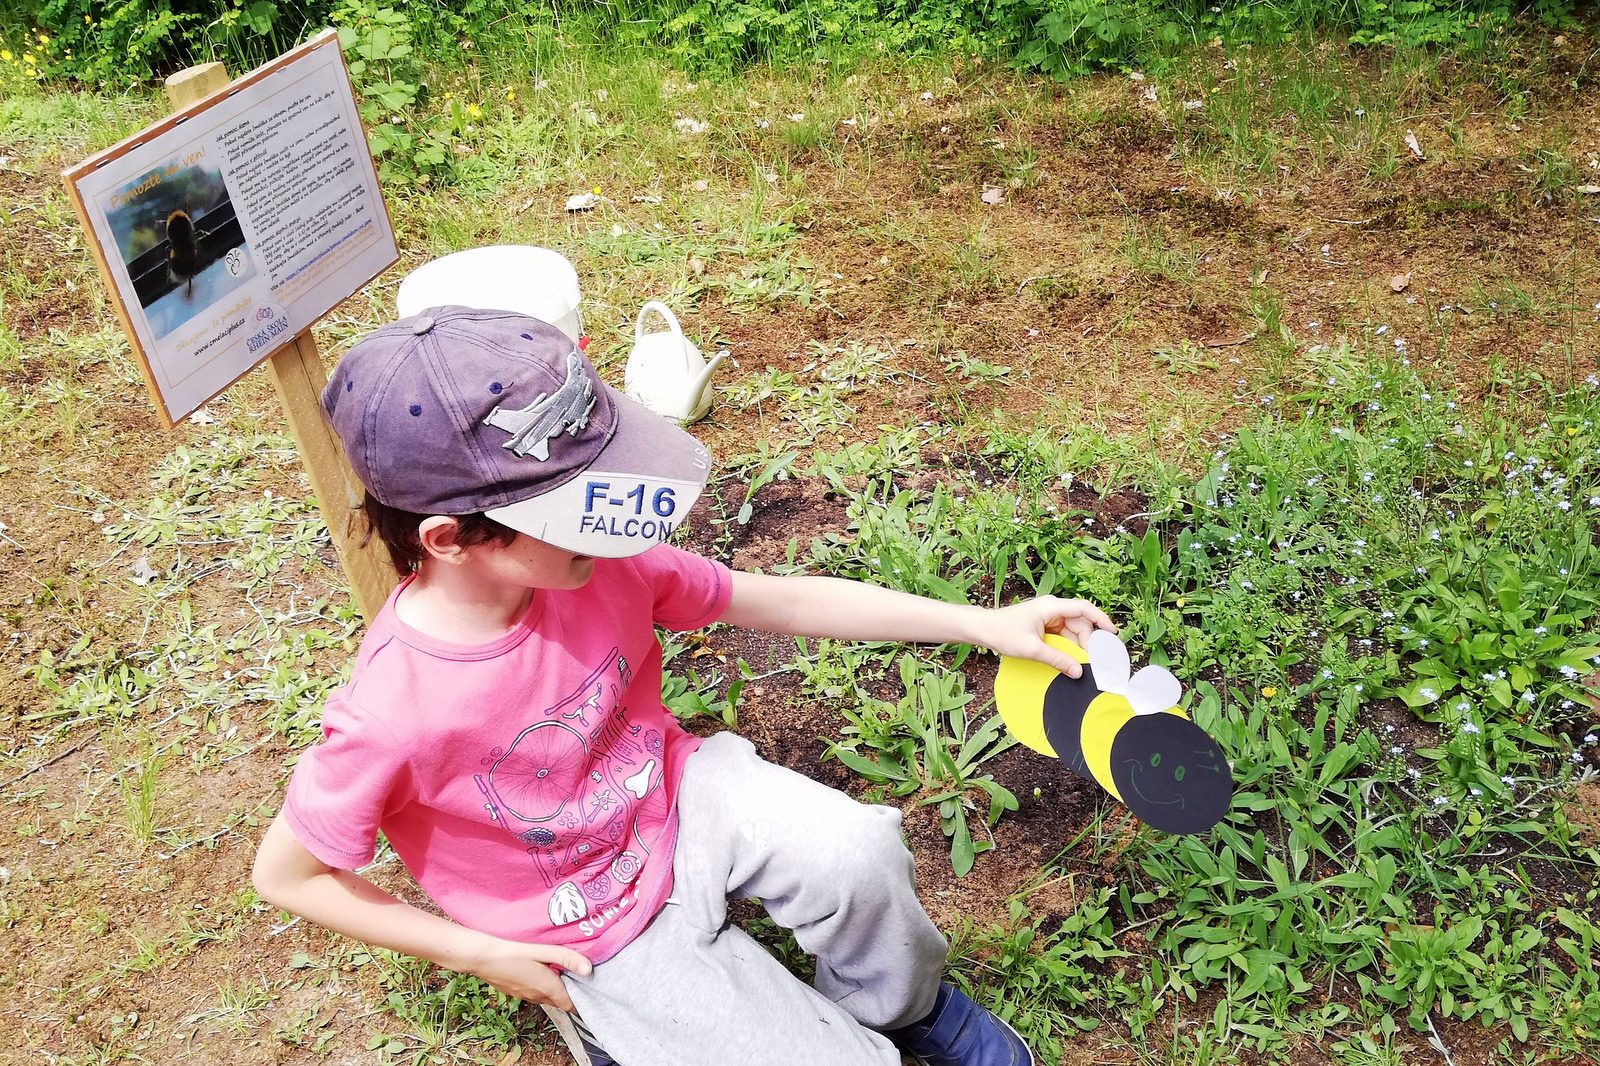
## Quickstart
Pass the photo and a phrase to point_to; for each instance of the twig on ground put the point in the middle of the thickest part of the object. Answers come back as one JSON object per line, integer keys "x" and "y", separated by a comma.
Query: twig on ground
{"x": 30, "y": 771}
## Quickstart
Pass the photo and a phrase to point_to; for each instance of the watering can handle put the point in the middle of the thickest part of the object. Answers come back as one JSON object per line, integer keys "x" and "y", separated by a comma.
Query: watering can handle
{"x": 661, "y": 309}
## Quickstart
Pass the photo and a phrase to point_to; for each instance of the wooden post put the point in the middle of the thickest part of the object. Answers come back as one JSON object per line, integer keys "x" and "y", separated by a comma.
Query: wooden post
{"x": 297, "y": 375}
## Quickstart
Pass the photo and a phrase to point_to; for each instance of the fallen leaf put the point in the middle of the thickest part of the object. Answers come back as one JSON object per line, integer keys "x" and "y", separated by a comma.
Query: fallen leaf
{"x": 583, "y": 201}
{"x": 1400, "y": 282}
{"x": 1411, "y": 143}
{"x": 992, "y": 195}
{"x": 203, "y": 417}
{"x": 702, "y": 185}
{"x": 1589, "y": 190}
{"x": 647, "y": 199}
{"x": 143, "y": 573}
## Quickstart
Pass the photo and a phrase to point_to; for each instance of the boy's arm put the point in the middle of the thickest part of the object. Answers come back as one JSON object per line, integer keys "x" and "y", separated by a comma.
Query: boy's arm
{"x": 807, "y": 606}
{"x": 288, "y": 876}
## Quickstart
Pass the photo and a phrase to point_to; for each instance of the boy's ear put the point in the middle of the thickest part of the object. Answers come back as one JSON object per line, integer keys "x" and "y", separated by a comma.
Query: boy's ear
{"x": 437, "y": 533}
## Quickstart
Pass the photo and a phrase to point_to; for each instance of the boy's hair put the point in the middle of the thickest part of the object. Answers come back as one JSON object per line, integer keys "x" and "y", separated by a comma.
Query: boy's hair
{"x": 398, "y": 531}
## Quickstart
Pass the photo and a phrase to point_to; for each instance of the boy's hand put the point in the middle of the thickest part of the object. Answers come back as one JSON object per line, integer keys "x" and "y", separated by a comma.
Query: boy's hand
{"x": 524, "y": 972}
{"x": 1019, "y": 630}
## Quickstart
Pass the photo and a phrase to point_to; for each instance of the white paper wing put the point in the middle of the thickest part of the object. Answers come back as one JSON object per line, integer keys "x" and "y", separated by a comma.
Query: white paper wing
{"x": 1153, "y": 690}
{"x": 1108, "y": 658}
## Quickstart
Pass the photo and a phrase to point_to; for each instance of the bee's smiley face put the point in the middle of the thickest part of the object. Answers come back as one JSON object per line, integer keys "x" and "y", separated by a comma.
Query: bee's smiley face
{"x": 1170, "y": 773}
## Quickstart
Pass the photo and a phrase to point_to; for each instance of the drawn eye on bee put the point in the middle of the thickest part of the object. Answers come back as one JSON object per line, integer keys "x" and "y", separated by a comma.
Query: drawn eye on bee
{"x": 183, "y": 250}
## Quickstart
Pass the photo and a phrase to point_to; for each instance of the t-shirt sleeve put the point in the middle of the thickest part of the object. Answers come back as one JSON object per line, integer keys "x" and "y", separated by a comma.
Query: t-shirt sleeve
{"x": 341, "y": 786}
{"x": 689, "y": 590}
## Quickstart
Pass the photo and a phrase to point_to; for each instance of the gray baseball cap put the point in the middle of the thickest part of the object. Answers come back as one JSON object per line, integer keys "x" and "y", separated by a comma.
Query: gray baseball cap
{"x": 459, "y": 411}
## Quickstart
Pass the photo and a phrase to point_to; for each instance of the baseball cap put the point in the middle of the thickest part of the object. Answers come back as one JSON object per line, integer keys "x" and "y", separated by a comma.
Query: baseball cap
{"x": 460, "y": 410}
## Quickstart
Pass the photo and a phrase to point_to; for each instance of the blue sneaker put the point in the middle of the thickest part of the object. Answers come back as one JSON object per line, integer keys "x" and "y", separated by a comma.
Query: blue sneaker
{"x": 958, "y": 1032}
{"x": 597, "y": 1054}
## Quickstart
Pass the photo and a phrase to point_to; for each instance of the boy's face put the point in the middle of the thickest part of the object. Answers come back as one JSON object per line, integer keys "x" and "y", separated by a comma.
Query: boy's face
{"x": 530, "y": 563}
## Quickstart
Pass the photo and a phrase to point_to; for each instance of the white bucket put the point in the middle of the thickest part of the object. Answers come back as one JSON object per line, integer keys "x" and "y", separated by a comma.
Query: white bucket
{"x": 531, "y": 281}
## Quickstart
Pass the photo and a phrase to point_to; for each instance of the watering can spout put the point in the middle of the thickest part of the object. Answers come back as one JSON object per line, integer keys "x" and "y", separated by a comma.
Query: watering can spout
{"x": 700, "y": 390}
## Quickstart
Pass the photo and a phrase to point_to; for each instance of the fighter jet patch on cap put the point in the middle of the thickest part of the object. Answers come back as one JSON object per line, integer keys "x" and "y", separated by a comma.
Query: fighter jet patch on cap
{"x": 564, "y": 411}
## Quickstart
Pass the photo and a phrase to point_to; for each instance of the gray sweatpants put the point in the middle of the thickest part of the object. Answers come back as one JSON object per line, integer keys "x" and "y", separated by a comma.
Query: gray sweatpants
{"x": 693, "y": 989}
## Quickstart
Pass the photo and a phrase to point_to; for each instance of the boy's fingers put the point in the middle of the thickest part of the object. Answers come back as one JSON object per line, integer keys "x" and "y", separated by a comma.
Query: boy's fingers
{"x": 1063, "y": 663}
{"x": 1095, "y": 615}
{"x": 565, "y": 958}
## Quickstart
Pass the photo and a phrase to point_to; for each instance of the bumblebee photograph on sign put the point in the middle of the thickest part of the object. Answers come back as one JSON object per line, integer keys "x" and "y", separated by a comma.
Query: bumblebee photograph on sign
{"x": 231, "y": 226}
{"x": 180, "y": 241}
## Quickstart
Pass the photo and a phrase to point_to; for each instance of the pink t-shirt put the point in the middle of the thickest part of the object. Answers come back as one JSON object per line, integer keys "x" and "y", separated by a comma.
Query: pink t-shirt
{"x": 529, "y": 784}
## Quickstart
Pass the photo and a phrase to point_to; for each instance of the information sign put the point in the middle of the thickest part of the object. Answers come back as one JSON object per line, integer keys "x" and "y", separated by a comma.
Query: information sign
{"x": 228, "y": 228}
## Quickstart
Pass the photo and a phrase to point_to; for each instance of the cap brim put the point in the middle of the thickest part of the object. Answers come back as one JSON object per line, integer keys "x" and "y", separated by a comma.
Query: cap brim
{"x": 633, "y": 496}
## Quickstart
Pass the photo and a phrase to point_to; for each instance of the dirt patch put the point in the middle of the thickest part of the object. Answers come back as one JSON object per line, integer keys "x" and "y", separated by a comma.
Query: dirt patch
{"x": 1584, "y": 813}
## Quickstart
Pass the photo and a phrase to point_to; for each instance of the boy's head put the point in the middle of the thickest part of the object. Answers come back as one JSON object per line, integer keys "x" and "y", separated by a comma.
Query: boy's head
{"x": 472, "y": 412}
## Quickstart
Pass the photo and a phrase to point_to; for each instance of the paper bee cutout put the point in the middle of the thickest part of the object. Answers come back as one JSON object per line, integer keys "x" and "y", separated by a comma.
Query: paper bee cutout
{"x": 1122, "y": 730}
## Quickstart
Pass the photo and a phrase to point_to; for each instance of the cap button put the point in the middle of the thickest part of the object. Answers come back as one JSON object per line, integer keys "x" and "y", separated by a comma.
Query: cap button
{"x": 422, "y": 325}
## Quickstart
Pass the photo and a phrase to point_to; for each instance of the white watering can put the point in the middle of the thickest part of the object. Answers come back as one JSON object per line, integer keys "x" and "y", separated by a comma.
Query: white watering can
{"x": 536, "y": 282}
{"x": 665, "y": 372}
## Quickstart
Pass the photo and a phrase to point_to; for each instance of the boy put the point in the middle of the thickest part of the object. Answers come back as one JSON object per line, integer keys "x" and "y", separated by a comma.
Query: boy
{"x": 503, "y": 727}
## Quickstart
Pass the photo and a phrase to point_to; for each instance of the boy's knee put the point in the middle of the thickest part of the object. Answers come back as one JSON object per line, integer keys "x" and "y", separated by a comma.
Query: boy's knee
{"x": 865, "y": 844}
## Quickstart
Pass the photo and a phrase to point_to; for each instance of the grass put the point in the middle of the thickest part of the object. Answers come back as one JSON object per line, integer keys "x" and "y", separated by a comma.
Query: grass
{"x": 1129, "y": 381}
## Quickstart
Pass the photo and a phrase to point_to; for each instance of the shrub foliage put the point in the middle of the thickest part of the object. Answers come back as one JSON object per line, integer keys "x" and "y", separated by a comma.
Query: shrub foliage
{"x": 105, "y": 43}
